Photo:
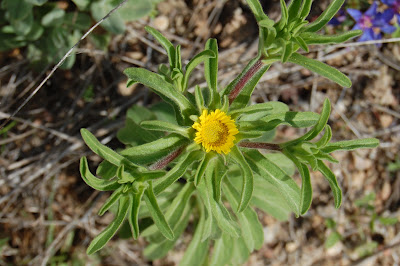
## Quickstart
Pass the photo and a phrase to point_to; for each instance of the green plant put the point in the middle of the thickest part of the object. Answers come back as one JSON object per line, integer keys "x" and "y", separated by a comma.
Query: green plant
{"x": 217, "y": 168}
{"x": 49, "y": 30}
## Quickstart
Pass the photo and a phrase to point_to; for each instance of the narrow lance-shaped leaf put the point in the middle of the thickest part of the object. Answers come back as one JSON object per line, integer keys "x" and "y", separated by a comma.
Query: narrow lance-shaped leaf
{"x": 101, "y": 240}
{"x": 251, "y": 109}
{"x": 156, "y": 214}
{"x": 197, "y": 249}
{"x": 313, "y": 38}
{"x": 105, "y": 152}
{"x": 305, "y": 8}
{"x": 158, "y": 250}
{"x": 165, "y": 43}
{"x": 211, "y": 73}
{"x": 194, "y": 62}
{"x": 252, "y": 230}
{"x": 154, "y": 151}
{"x": 293, "y": 9}
{"x": 177, "y": 171}
{"x": 94, "y": 182}
{"x": 321, "y": 68}
{"x": 202, "y": 167}
{"x": 111, "y": 200}
{"x": 166, "y": 91}
{"x": 174, "y": 212}
{"x": 219, "y": 173}
{"x": 284, "y": 16}
{"x": 248, "y": 185}
{"x": 306, "y": 188}
{"x": 277, "y": 177}
{"x": 164, "y": 126}
{"x": 257, "y": 9}
{"x": 219, "y": 211}
{"x": 351, "y": 145}
{"x": 325, "y": 17}
{"x": 199, "y": 99}
{"x": 133, "y": 215}
{"x": 325, "y": 138}
{"x": 330, "y": 176}
{"x": 222, "y": 252}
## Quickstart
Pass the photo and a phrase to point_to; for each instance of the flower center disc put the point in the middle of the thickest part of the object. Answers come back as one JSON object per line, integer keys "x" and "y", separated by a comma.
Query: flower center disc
{"x": 215, "y": 131}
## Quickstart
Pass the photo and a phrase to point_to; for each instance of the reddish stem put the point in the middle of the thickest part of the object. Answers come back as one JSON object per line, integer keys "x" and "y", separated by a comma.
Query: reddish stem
{"x": 166, "y": 160}
{"x": 260, "y": 145}
{"x": 246, "y": 77}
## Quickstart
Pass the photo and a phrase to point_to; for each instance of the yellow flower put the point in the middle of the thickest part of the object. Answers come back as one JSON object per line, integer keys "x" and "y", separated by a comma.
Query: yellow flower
{"x": 215, "y": 131}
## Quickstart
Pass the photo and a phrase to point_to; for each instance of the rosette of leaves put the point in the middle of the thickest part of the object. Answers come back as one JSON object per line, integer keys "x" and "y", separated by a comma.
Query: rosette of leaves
{"x": 207, "y": 157}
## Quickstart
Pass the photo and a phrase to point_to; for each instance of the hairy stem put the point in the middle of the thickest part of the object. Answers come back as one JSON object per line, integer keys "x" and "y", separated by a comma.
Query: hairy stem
{"x": 166, "y": 160}
{"x": 260, "y": 145}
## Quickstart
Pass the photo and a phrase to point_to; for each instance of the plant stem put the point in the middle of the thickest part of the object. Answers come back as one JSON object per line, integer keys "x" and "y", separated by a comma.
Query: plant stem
{"x": 260, "y": 145}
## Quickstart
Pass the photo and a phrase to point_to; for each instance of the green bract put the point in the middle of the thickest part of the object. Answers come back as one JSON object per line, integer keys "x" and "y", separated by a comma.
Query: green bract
{"x": 171, "y": 177}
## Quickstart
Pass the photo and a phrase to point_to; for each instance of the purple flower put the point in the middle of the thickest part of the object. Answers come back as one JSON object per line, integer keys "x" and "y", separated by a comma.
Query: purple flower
{"x": 372, "y": 22}
{"x": 394, "y": 5}
{"x": 338, "y": 19}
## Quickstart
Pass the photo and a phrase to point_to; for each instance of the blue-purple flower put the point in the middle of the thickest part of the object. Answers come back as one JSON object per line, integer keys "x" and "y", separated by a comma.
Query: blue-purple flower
{"x": 372, "y": 22}
{"x": 394, "y": 5}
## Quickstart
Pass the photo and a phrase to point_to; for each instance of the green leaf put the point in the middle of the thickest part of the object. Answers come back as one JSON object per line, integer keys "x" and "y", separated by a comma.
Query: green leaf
{"x": 164, "y": 126}
{"x": 240, "y": 252}
{"x": 114, "y": 23}
{"x": 313, "y": 38}
{"x": 178, "y": 59}
{"x": 325, "y": 138}
{"x": 202, "y": 167}
{"x": 211, "y": 73}
{"x": 241, "y": 88}
{"x": 105, "y": 152}
{"x": 219, "y": 211}
{"x": 300, "y": 41}
{"x": 332, "y": 239}
{"x": 257, "y": 9}
{"x": 133, "y": 216}
{"x": 173, "y": 213}
{"x": 194, "y": 62}
{"x": 134, "y": 134}
{"x": 183, "y": 108}
{"x": 305, "y": 9}
{"x": 321, "y": 68}
{"x": 351, "y": 145}
{"x": 306, "y": 188}
{"x": 209, "y": 222}
{"x": 101, "y": 240}
{"x": 135, "y": 9}
{"x": 287, "y": 52}
{"x": 388, "y": 220}
{"x": 106, "y": 170}
{"x": 116, "y": 195}
{"x": 323, "y": 119}
{"x": 294, "y": 119}
{"x": 330, "y": 176}
{"x": 277, "y": 107}
{"x": 81, "y": 21}
{"x": 197, "y": 249}
{"x": 248, "y": 185}
{"x": 223, "y": 251}
{"x": 266, "y": 23}
{"x": 325, "y": 17}
{"x": 177, "y": 171}
{"x": 277, "y": 177}
{"x": 154, "y": 151}
{"x": 156, "y": 214}
{"x": 272, "y": 202}
{"x": 158, "y": 250}
{"x": 219, "y": 173}
{"x": 81, "y": 4}
{"x": 165, "y": 43}
{"x": 36, "y": 2}
{"x": 252, "y": 230}
{"x": 294, "y": 9}
{"x": 54, "y": 18}
{"x": 284, "y": 16}
{"x": 94, "y": 182}
{"x": 255, "y": 108}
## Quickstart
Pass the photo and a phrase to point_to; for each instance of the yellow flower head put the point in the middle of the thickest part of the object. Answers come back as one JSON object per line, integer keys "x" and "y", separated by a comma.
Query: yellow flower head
{"x": 215, "y": 131}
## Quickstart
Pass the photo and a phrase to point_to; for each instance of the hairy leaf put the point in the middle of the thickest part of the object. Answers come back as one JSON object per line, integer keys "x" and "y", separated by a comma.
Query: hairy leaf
{"x": 94, "y": 182}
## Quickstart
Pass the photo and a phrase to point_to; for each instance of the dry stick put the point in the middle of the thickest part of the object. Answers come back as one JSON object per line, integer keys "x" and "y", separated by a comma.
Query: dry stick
{"x": 60, "y": 63}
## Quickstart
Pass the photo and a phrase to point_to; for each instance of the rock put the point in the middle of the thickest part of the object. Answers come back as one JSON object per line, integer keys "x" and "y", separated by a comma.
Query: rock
{"x": 161, "y": 23}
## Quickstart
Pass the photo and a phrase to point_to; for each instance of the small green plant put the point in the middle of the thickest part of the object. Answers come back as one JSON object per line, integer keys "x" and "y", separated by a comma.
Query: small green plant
{"x": 48, "y": 31}
{"x": 217, "y": 162}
